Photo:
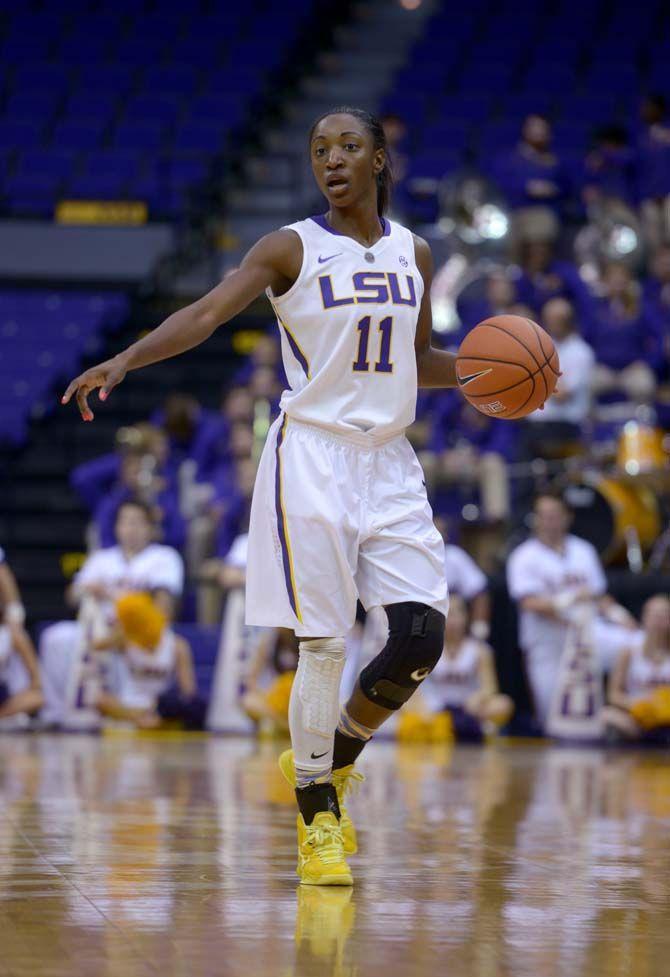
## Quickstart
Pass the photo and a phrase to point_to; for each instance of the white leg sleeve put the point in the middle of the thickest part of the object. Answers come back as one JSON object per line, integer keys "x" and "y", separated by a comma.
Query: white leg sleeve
{"x": 315, "y": 704}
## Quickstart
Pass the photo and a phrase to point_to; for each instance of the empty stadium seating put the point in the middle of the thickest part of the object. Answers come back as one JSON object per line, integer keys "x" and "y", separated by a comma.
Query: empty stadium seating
{"x": 127, "y": 102}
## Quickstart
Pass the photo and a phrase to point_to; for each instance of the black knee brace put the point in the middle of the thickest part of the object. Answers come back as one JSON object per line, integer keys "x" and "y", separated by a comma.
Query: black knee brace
{"x": 413, "y": 649}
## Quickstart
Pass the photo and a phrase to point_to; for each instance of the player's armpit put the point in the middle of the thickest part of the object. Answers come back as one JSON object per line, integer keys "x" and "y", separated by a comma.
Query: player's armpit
{"x": 435, "y": 368}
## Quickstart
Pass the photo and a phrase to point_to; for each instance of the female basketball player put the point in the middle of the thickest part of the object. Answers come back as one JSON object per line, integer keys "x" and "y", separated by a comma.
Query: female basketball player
{"x": 339, "y": 508}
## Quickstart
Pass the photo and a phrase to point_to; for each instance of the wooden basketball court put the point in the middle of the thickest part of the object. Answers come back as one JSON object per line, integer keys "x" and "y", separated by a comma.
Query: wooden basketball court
{"x": 128, "y": 855}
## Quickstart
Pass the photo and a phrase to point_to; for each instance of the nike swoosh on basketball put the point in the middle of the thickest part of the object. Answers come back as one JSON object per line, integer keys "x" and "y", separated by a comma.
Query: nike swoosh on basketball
{"x": 463, "y": 381}
{"x": 317, "y": 756}
{"x": 328, "y": 257}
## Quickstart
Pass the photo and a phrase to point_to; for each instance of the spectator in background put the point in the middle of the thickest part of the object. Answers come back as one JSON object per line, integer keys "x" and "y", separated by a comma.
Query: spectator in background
{"x": 543, "y": 276}
{"x": 135, "y": 563}
{"x": 625, "y": 338}
{"x": 213, "y": 449}
{"x": 11, "y": 604}
{"x": 395, "y": 130}
{"x": 20, "y": 684}
{"x": 499, "y": 297}
{"x": 654, "y": 169}
{"x": 464, "y": 681}
{"x": 155, "y": 678}
{"x": 227, "y": 567}
{"x": 186, "y": 425}
{"x": 266, "y": 353}
{"x": 534, "y": 181}
{"x": 470, "y": 449}
{"x": 560, "y": 425}
{"x": 145, "y": 475}
{"x": 548, "y": 575}
{"x": 656, "y": 295}
{"x": 465, "y": 578}
{"x": 608, "y": 180}
{"x": 642, "y": 671}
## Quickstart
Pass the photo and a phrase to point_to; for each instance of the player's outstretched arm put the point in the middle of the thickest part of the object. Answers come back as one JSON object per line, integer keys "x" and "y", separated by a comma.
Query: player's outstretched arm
{"x": 274, "y": 261}
{"x": 435, "y": 368}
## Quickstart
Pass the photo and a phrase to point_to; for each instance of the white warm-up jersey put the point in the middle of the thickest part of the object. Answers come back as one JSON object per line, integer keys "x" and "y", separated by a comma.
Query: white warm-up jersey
{"x": 347, "y": 332}
{"x": 156, "y": 567}
{"x": 536, "y": 569}
{"x": 145, "y": 675}
{"x": 464, "y": 577}
{"x": 644, "y": 674}
{"x": 454, "y": 680}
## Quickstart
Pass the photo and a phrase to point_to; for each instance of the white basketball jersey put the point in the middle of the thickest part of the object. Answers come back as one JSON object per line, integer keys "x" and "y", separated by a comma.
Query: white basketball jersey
{"x": 644, "y": 674}
{"x": 347, "y": 332}
{"x": 144, "y": 675}
{"x": 454, "y": 680}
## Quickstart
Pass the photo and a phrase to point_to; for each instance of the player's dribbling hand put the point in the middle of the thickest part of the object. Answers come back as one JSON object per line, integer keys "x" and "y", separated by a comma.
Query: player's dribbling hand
{"x": 106, "y": 375}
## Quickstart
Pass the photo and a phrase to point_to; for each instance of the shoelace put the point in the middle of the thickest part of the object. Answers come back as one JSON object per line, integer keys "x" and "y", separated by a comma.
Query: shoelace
{"x": 327, "y": 840}
{"x": 350, "y": 781}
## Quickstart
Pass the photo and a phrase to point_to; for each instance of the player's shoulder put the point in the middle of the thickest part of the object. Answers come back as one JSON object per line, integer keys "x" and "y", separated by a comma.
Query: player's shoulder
{"x": 423, "y": 256}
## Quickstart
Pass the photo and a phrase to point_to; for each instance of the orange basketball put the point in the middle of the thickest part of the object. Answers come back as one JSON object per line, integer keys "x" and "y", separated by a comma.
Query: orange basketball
{"x": 507, "y": 366}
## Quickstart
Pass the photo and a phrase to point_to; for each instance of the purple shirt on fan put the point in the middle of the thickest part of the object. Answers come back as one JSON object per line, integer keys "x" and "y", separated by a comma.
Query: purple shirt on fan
{"x": 619, "y": 339}
{"x": 456, "y": 422}
{"x": 560, "y": 279}
{"x": 612, "y": 171}
{"x": 202, "y": 446}
{"x": 171, "y": 524}
{"x": 654, "y": 162}
{"x": 515, "y": 169}
{"x": 93, "y": 479}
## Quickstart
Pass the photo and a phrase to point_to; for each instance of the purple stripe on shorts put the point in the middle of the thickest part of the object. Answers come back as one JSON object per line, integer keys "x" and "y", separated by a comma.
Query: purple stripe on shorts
{"x": 281, "y": 521}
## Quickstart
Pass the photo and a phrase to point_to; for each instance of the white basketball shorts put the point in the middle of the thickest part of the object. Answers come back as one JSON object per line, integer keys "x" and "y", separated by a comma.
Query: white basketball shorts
{"x": 333, "y": 521}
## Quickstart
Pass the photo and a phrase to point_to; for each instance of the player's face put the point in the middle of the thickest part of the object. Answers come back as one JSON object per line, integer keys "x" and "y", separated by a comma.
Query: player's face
{"x": 133, "y": 529}
{"x": 344, "y": 160}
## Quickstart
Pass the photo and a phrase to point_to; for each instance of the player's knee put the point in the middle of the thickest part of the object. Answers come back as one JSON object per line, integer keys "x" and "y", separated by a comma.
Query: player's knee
{"x": 413, "y": 649}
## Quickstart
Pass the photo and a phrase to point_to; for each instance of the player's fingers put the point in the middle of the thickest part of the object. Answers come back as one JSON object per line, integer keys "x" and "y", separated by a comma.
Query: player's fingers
{"x": 82, "y": 403}
{"x": 72, "y": 386}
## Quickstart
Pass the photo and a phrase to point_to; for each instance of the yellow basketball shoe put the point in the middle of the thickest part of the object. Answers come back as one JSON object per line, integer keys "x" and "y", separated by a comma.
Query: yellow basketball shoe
{"x": 321, "y": 852}
{"x": 343, "y": 780}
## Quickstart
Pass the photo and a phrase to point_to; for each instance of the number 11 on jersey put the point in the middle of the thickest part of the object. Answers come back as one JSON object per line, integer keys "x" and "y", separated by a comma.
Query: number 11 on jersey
{"x": 383, "y": 364}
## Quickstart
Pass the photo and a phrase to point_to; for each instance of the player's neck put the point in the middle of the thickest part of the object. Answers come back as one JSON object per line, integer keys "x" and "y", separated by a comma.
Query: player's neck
{"x": 360, "y": 221}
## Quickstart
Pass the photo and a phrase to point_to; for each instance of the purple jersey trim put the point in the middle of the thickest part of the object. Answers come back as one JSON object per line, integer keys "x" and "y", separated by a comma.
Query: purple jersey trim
{"x": 320, "y": 219}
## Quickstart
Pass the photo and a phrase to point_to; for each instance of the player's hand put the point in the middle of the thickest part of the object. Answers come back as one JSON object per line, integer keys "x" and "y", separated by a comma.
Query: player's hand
{"x": 106, "y": 376}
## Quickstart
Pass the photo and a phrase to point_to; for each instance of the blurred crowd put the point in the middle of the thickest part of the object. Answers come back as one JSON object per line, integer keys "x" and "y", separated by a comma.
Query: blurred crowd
{"x": 587, "y": 254}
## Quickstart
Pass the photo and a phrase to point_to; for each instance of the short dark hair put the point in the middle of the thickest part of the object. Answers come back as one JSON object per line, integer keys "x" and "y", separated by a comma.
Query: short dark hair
{"x": 137, "y": 504}
{"x": 554, "y": 495}
{"x": 376, "y": 130}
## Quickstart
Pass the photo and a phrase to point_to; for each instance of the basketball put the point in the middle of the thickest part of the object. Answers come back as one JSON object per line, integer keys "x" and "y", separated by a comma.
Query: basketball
{"x": 507, "y": 366}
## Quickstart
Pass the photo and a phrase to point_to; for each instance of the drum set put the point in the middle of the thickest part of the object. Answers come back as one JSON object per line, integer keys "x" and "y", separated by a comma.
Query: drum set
{"x": 623, "y": 507}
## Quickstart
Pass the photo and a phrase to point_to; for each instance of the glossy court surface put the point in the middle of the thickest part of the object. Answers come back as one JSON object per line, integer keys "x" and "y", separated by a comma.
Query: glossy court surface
{"x": 175, "y": 856}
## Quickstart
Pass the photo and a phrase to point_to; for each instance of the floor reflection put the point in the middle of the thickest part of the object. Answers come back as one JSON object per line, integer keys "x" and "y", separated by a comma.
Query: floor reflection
{"x": 132, "y": 856}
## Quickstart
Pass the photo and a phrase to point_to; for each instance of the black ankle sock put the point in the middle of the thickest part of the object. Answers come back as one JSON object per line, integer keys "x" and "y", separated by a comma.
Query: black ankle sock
{"x": 316, "y": 798}
{"x": 347, "y": 750}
